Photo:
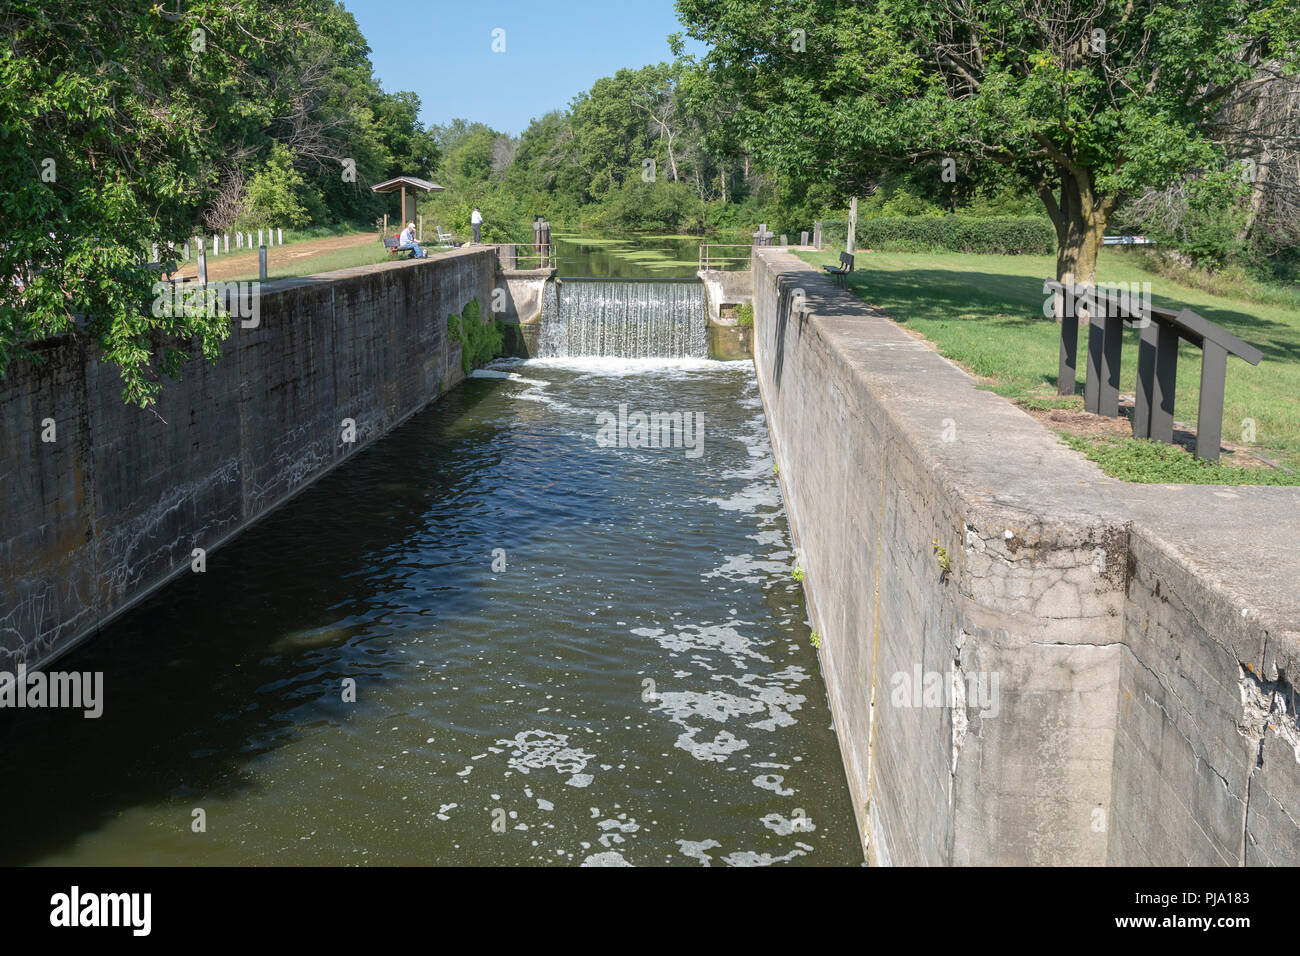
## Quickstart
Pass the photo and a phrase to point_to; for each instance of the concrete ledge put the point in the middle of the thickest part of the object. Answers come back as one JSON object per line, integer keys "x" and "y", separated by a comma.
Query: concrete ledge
{"x": 1085, "y": 597}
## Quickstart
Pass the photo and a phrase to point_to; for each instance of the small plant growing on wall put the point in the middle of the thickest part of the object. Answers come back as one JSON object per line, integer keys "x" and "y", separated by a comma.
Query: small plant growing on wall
{"x": 798, "y": 573}
{"x": 942, "y": 558}
{"x": 816, "y": 640}
{"x": 479, "y": 341}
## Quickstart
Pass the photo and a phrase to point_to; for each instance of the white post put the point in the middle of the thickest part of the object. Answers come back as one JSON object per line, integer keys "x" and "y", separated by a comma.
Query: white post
{"x": 239, "y": 240}
{"x": 260, "y": 241}
{"x": 279, "y": 236}
{"x": 261, "y": 263}
{"x": 216, "y": 245}
{"x": 227, "y": 243}
{"x": 421, "y": 218}
{"x": 853, "y": 224}
{"x": 187, "y": 253}
{"x": 154, "y": 247}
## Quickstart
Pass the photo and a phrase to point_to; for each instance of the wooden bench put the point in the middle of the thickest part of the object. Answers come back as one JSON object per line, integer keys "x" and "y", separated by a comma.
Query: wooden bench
{"x": 843, "y": 269}
{"x": 393, "y": 245}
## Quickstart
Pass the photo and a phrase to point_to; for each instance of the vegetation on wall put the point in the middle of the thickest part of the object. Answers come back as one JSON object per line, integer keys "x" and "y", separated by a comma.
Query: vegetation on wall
{"x": 479, "y": 341}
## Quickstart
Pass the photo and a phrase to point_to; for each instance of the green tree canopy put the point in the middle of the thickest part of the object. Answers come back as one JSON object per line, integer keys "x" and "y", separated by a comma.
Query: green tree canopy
{"x": 1084, "y": 102}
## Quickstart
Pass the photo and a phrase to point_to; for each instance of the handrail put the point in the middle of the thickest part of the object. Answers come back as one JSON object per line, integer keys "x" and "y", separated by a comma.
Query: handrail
{"x": 707, "y": 257}
{"x": 1161, "y": 330}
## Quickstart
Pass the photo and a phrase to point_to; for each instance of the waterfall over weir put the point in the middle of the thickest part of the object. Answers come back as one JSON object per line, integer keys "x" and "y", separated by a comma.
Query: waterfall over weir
{"x": 635, "y": 318}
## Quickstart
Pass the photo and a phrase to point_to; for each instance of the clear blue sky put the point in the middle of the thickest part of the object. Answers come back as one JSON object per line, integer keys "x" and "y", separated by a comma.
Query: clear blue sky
{"x": 554, "y": 49}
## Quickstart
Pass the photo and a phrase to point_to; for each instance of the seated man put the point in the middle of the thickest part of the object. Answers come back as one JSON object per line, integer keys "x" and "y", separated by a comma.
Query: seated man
{"x": 407, "y": 241}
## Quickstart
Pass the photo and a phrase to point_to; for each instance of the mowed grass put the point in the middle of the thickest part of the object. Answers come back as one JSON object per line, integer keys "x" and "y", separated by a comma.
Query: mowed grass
{"x": 986, "y": 314}
{"x": 363, "y": 255}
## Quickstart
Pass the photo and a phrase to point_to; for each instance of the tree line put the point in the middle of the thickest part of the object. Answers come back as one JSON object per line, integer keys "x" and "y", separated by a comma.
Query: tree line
{"x": 126, "y": 124}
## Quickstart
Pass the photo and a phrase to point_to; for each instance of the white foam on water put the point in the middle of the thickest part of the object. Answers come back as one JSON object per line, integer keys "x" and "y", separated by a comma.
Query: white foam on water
{"x": 748, "y": 569}
{"x": 773, "y": 781}
{"x": 750, "y": 858}
{"x": 723, "y": 638}
{"x": 698, "y": 850}
{"x": 606, "y": 365}
{"x": 784, "y": 827}
{"x": 608, "y": 858}
{"x": 750, "y": 499}
{"x": 538, "y": 749}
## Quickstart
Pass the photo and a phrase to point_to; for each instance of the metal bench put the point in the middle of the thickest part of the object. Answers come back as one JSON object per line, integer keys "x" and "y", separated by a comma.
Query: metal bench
{"x": 393, "y": 245}
{"x": 843, "y": 269}
{"x": 1161, "y": 329}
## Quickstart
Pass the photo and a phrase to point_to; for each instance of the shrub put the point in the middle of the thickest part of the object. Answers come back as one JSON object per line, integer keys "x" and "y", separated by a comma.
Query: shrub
{"x": 1006, "y": 235}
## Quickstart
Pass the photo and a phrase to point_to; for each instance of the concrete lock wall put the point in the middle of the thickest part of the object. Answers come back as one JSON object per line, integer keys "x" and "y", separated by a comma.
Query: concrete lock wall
{"x": 1028, "y": 662}
{"x": 114, "y": 507}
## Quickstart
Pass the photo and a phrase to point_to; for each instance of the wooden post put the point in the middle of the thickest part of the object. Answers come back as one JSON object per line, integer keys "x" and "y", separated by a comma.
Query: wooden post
{"x": 403, "y": 205}
{"x": 853, "y": 225}
{"x": 817, "y": 235}
{"x": 1063, "y": 308}
{"x": 261, "y": 263}
{"x": 803, "y": 238}
{"x": 1153, "y": 412}
{"x": 279, "y": 236}
{"x": 420, "y": 237}
{"x": 203, "y": 267}
{"x": 784, "y": 240}
{"x": 385, "y": 235}
{"x": 1209, "y": 408}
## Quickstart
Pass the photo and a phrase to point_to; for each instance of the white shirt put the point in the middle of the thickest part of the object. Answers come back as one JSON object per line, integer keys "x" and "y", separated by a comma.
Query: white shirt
{"x": 477, "y": 218}
{"x": 408, "y": 235}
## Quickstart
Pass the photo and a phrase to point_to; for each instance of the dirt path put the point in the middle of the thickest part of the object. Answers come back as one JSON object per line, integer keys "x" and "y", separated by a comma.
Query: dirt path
{"x": 241, "y": 263}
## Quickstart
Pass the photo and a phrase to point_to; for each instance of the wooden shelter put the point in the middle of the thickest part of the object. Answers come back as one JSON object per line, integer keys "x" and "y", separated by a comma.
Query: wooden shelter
{"x": 402, "y": 183}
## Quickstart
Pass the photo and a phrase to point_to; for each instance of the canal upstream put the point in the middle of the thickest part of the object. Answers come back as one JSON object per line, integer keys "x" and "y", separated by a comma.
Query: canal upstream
{"x": 564, "y": 652}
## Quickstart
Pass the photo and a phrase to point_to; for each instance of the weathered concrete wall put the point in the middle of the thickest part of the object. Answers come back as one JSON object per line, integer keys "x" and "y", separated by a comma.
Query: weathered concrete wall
{"x": 1100, "y": 628}
{"x": 116, "y": 504}
{"x": 519, "y": 294}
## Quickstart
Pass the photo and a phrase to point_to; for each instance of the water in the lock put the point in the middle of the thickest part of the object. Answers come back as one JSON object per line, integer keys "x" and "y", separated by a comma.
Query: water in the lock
{"x": 636, "y": 684}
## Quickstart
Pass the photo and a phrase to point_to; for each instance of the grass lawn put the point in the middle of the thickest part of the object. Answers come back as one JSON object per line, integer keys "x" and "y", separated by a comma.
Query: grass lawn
{"x": 363, "y": 255}
{"x": 986, "y": 314}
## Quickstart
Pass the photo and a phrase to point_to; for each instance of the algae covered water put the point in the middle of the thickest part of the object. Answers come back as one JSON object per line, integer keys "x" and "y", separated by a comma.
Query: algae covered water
{"x": 496, "y": 636}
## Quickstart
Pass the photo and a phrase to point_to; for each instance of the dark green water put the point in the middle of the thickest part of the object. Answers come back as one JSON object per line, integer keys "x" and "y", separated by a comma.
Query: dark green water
{"x": 628, "y": 257}
{"x": 516, "y": 696}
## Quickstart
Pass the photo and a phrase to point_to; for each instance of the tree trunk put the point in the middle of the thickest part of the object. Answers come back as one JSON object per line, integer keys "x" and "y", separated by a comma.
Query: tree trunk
{"x": 1079, "y": 216}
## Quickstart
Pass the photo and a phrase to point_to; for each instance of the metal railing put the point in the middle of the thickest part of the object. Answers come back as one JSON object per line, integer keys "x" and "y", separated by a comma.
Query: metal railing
{"x": 709, "y": 260}
{"x": 522, "y": 256}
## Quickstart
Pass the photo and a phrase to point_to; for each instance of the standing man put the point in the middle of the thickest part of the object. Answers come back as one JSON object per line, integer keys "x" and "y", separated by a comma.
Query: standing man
{"x": 476, "y": 220}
